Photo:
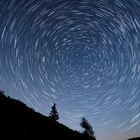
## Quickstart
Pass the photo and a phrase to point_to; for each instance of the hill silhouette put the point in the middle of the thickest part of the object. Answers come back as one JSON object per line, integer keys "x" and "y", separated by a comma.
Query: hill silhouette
{"x": 17, "y": 121}
{"x": 137, "y": 138}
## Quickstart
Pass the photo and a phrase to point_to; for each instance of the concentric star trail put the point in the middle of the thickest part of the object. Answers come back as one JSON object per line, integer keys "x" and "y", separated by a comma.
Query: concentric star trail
{"x": 82, "y": 55}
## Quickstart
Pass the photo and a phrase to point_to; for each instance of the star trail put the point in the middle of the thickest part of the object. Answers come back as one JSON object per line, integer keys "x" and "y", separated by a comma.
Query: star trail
{"x": 84, "y": 55}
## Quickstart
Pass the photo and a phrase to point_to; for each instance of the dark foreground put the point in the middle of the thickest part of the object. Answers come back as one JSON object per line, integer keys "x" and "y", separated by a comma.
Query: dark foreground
{"x": 17, "y": 121}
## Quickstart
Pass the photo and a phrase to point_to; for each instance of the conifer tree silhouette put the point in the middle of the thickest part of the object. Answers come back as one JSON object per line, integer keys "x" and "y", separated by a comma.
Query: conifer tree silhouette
{"x": 87, "y": 128}
{"x": 54, "y": 114}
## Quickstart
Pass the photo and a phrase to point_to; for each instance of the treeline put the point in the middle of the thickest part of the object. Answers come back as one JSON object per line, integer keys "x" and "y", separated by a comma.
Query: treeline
{"x": 87, "y": 128}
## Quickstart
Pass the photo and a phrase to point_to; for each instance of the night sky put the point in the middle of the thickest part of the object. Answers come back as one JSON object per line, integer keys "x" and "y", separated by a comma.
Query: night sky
{"x": 83, "y": 55}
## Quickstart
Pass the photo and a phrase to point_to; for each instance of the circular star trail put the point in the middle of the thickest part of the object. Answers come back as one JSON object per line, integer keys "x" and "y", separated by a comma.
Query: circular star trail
{"x": 82, "y": 55}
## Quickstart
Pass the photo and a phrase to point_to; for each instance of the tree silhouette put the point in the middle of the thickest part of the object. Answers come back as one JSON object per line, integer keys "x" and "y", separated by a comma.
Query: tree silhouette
{"x": 54, "y": 114}
{"x": 87, "y": 128}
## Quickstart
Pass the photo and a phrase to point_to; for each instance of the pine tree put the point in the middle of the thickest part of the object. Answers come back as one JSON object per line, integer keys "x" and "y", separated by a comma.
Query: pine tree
{"x": 87, "y": 128}
{"x": 54, "y": 114}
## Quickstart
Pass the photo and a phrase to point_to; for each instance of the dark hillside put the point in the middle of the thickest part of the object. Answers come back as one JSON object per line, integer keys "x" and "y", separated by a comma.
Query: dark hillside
{"x": 17, "y": 121}
{"x": 137, "y": 138}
